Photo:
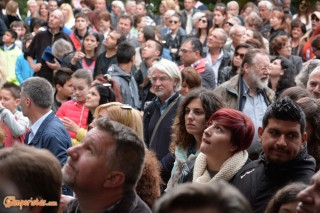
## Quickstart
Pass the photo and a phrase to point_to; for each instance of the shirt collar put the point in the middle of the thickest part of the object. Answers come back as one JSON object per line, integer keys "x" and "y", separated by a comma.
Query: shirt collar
{"x": 34, "y": 128}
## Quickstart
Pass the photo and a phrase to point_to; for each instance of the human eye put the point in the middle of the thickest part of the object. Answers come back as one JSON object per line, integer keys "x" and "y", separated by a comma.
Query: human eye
{"x": 187, "y": 110}
{"x": 292, "y": 136}
{"x": 198, "y": 112}
{"x": 273, "y": 132}
{"x": 218, "y": 128}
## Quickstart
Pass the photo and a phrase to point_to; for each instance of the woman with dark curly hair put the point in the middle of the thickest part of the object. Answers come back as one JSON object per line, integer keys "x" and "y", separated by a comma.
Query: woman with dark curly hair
{"x": 281, "y": 75}
{"x": 311, "y": 108}
{"x": 189, "y": 124}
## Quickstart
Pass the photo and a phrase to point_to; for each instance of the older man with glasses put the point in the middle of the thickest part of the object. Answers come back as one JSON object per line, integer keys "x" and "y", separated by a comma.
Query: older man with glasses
{"x": 248, "y": 91}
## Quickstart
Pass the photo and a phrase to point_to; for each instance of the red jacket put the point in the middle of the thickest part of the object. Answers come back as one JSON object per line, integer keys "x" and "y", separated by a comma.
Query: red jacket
{"x": 75, "y": 111}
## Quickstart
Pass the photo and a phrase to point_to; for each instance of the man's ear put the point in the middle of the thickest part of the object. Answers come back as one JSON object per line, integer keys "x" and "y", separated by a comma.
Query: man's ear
{"x": 114, "y": 179}
{"x": 260, "y": 132}
{"x": 58, "y": 87}
{"x": 246, "y": 67}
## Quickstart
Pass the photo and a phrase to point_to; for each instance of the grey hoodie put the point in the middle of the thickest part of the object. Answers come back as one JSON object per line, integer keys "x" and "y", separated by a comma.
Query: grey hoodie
{"x": 127, "y": 84}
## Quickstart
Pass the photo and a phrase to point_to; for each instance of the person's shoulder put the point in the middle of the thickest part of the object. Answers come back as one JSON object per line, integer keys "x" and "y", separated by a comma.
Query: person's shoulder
{"x": 141, "y": 207}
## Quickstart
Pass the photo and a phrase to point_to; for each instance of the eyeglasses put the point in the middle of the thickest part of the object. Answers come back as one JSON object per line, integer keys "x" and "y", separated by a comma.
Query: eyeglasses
{"x": 203, "y": 21}
{"x": 266, "y": 68}
{"x": 230, "y": 24}
{"x": 173, "y": 22}
{"x": 184, "y": 51}
{"x": 236, "y": 54}
{"x": 161, "y": 79}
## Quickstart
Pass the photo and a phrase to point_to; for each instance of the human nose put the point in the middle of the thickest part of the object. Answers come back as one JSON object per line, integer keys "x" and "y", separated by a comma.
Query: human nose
{"x": 73, "y": 152}
{"x": 281, "y": 141}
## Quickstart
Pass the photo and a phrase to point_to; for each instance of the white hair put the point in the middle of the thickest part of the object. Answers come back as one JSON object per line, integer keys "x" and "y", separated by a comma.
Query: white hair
{"x": 118, "y": 4}
{"x": 170, "y": 68}
{"x": 266, "y": 4}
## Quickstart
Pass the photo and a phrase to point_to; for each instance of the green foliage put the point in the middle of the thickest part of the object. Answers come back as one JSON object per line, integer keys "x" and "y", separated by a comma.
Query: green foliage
{"x": 23, "y": 8}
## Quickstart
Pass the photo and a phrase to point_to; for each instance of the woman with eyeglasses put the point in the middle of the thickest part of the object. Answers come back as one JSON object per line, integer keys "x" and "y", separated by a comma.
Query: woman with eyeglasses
{"x": 187, "y": 129}
{"x": 281, "y": 75}
{"x": 204, "y": 26}
{"x": 230, "y": 71}
{"x": 281, "y": 47}
{"x": 304, "y": 13}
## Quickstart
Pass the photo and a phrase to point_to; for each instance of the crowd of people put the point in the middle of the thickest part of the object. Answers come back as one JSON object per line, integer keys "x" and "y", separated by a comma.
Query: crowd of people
{"x": 107, "y": 107}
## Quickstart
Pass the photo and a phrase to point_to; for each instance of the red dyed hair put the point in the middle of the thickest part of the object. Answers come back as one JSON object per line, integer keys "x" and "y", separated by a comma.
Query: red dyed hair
{"x": 238, "y": 123}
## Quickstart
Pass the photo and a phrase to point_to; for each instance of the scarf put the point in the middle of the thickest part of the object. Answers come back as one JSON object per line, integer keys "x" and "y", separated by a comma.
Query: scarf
{"x": 228, "y": 169}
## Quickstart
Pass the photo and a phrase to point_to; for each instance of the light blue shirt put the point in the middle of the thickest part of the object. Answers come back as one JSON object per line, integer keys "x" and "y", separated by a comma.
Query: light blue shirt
{"x": 215, "y": 65}
{"x": 34, "y": 128}
{"x": 163, "y": 106}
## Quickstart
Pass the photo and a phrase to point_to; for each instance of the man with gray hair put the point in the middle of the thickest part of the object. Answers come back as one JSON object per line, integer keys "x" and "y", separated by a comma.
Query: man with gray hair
{"x": 217, "y": 57}
{"x": 42, "y": 42}
{"x": 47, "y": 131}
{"x": 159, "y": 114}
{"x": 236, "y": 33}
{"x": 249, "y": 92}
{"x": 265, "y": 10}
{"x": 313, "y": 84}
{"x": 104, "y": 170}
{"x": 233, "y": 8}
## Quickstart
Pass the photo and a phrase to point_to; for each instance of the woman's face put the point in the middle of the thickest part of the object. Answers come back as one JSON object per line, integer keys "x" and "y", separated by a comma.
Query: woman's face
{"x": 195, "y": 118}
{"x": 296, "y": 33}
{"x": 247, "y": 35}
{"x": 81, "y": 89}
{"x": 44, "y": 11}
{"x": 141, "y": 24}
{"x": 216, "y": 141}
{"x": 218, "y": 18}
{"x": 90, "y": 43}
{"x": 162, "y": 9}
{"x": 303, "y": 6}
{"x": 203, "y": 23}
{"x": 65, "y": 12}
{"x": 276, "y": 69}
{"x": 238, "y": 56}
{"x": 246, "y": 12}
{"x": 184, "y": 88}
{"x": 275, "y": 22}
{"x": 104, "y": 25}
{"x": 141, "y": 37}
{"x": 93, "y": 98}
{"x": 286, "y": 50}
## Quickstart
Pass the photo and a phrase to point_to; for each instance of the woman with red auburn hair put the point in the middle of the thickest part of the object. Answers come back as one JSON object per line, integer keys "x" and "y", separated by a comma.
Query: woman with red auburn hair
{"x": 223, "y": 148}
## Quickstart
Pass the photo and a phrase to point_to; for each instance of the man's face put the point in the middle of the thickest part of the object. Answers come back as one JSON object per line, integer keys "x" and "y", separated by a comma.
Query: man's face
{"x": 131, "y": 8}
{"x": 52, "y": 5}
{"x": 188, "y": 4}
{"x": 265, "y": 13}
{"x": 100, "y": 5}
{"x": 87, "y": 160}
{"x": 310, "y": 197}
{"x": 257, "y": 74}
{"x": 81, "y": 23}
{"x": 163, "y": 86}
{"x": 116, "y": 10}
{"x": 140, "y": 10}
{"x": 55, "y": 20}
{"x": 32, "y": 8}
{"x": 7, "y": 38}
{"x": 215, "y": 40}
{"x": 124, "y": 25}
{"x": 111, "y": 41}
{"x": 187, "y": 55}
{"x": 233, "y": 10}
{"x": 313, "y": 84}
{"x": 237, "y": 35}
{"x": 67, "y": 89}
{"x": 150, "y": 50}
{"x": 281, "y": 140}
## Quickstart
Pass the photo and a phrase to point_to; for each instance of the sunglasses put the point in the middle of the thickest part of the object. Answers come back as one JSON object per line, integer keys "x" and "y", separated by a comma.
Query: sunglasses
{"x": 230, "y": 24}
{"x": 203, "y": 21}
{"x": 314, "y": 18}
{"x": 236, "y": 54}
{"x": 173, "y": 22}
